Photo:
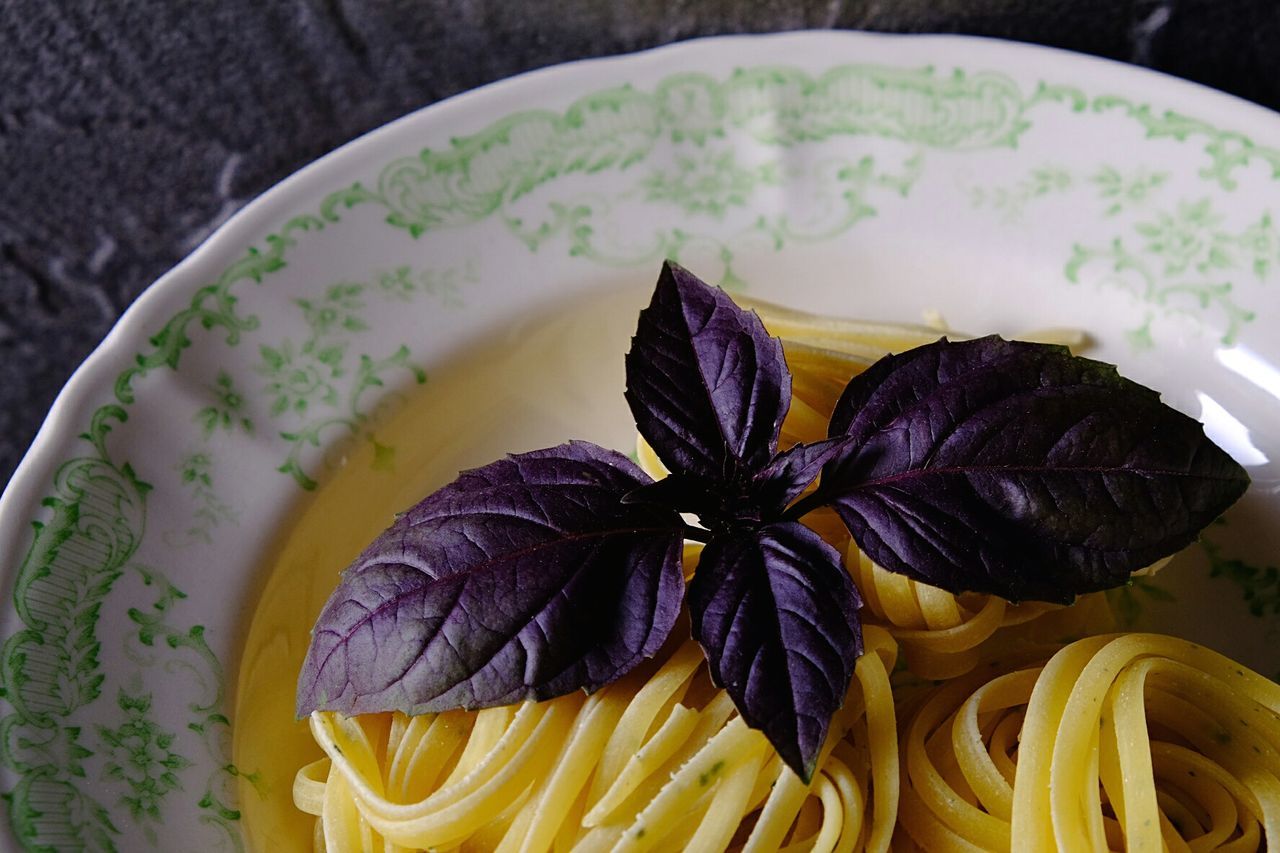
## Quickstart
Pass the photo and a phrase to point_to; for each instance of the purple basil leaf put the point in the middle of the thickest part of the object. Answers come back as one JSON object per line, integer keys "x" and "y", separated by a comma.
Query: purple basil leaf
{"x": 524, "y": 579}
{"x": 686, "y": 494}
{"x": 707, "y": 385}
{"x": 777, "y": 615}
{"x": 791, "y": 472}
{"x": 1018, "y": 469}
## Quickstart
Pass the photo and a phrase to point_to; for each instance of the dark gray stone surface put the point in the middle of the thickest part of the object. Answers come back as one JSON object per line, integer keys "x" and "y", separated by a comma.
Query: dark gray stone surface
{"x": 130, "y": 129}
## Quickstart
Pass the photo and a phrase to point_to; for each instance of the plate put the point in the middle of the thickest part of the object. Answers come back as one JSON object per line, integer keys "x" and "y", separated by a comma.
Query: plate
{"x": 463, "y": 282}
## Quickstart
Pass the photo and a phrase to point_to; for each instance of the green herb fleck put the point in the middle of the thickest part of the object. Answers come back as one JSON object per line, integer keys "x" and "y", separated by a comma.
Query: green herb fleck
{"x": 705, "y": 778}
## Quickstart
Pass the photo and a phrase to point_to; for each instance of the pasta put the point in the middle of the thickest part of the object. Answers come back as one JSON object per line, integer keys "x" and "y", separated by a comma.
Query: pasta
{"x": 658, "y": 760}
{"x": 1119, "y": 742}
{"x": 988, "y": 729}
{"x": 942, "y": 636}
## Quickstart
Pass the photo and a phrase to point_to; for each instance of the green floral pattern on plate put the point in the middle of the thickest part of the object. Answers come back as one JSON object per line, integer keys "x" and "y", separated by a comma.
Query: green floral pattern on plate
{"x": 318, "y": 390}
{"x": 1178, "y": 260}
{"x": 227, "y": 410}
{"x": 1184, "y": 261}
{"x": 1118, "y": 190}
{"x": 139, "y": 754}
{"x": 1259, "y": 585}
{"x": 209, "y": 511}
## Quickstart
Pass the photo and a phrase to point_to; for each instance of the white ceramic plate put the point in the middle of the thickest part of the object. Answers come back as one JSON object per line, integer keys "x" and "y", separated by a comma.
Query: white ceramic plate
{"x": 1004, "y": 186}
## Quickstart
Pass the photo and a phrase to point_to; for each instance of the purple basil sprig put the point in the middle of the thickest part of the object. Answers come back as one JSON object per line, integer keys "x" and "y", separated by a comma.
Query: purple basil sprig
{"x": 996, "y": 466}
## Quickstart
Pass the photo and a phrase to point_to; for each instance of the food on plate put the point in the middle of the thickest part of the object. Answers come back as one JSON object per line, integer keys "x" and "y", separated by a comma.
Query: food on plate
{"x": 1119, "y": 742}
{"x": 548, "y": 653}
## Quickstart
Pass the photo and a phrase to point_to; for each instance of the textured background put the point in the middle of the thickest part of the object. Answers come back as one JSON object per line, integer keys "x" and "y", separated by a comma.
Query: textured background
{"x": 129, "y": 130}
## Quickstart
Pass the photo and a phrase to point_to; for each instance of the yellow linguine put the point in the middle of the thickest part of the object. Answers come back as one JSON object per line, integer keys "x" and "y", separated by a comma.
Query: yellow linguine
{"x": 988, "y": 735}
{"x": 1118, "y": 742}
{"x": 659, "y": 760}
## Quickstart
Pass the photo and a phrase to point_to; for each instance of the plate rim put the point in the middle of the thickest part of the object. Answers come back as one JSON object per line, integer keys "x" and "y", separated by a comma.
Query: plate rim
{"x": 39, "y": 461}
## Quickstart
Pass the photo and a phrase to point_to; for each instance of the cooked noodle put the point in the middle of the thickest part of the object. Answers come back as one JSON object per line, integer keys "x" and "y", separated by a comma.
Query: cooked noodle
{"x": 989, "y": 731}
{"x": 658, "y": 760}
{"x": 1119, "y": 742}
